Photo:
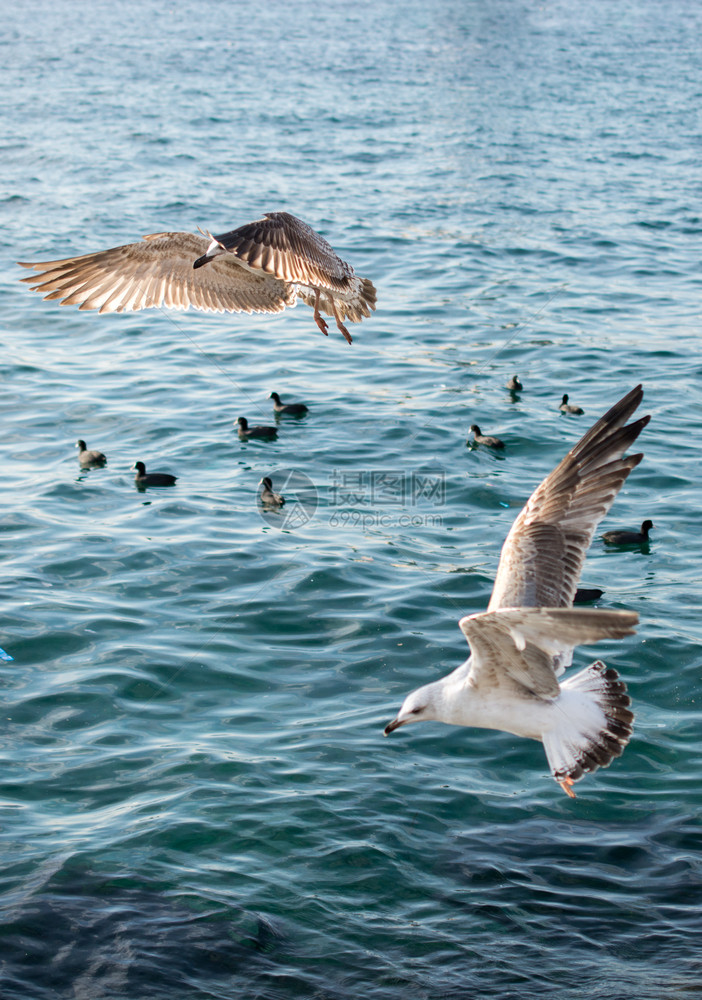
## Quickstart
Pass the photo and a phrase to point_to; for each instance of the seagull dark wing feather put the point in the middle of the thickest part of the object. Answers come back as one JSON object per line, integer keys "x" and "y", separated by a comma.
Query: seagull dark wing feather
{"x": 543, "y": 554}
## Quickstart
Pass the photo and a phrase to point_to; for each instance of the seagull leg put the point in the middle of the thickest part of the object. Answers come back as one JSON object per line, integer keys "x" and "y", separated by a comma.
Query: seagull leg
{"x": 566, "y": 785}
{"x": 321, "y": 323}
{"x": 341, "y": 326}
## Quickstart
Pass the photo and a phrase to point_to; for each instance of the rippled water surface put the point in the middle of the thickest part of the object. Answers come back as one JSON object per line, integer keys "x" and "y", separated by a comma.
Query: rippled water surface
{"x": 196, "y": 799}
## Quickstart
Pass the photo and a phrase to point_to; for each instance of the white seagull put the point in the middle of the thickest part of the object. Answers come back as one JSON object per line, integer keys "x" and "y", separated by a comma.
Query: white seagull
{"x": 525, "y": 639}
{"x": 264, "y": 266}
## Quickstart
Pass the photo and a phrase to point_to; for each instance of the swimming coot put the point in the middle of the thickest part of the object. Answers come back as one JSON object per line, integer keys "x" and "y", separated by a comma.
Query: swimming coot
{"x": 567, "y": 407}
{"x": 291, "y": 409}
{"x": 268, "y": 497}
{"x": 86, "y": 457}
{"x": 259, "y": 431}
{"x": 486, "y": 439}
{"x": 629, "y": 537}
{"x": 584, "y": 595}
{"x": 144, "y": 478}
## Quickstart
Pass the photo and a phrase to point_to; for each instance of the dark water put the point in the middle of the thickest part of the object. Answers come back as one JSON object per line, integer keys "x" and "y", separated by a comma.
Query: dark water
{"x": 196, "y": 800}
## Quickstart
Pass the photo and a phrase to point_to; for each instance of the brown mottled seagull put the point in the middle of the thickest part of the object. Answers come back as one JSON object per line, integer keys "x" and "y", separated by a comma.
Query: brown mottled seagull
{"x": 525, "y": 639}
{"x": 264, "y": 266}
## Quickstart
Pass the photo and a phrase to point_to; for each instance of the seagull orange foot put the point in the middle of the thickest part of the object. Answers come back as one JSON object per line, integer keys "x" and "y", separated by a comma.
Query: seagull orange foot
{"x": 567, "y": 786}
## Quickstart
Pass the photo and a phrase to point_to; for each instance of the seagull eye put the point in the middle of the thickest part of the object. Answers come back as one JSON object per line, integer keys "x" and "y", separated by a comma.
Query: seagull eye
{"x": 416, "y": 711}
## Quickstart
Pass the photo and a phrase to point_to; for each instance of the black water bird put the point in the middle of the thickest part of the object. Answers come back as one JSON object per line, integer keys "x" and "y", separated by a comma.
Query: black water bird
{"x": 144, "y": 478}
{"x": 584, "y": 595}
{"x": 514, "y": 385}
{"x": 624, "y": 537}
{"x": 86, "y": 457}
{"x": 289, "y": 409}
{"x": 567, "y": 407}
{"x": 258, "y": 431}
{"x": 268, "y": 497}
{"x": 486, "y": 439}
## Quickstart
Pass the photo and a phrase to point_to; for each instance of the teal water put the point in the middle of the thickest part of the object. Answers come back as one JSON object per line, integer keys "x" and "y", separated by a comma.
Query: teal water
{"x": 196, "y": 799}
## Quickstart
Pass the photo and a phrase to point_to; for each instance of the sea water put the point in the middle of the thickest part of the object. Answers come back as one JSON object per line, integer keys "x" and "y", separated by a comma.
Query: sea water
{"x": 196, "y": 799}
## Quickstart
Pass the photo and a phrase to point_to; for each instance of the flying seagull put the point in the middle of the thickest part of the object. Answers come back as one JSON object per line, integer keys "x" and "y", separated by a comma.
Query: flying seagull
{"x": 264, "y": 266}
{"x": 525, "y": 639}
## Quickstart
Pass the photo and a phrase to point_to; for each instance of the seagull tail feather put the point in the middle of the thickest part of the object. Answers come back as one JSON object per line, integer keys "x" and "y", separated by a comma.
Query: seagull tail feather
{"x": 593, "y": 726}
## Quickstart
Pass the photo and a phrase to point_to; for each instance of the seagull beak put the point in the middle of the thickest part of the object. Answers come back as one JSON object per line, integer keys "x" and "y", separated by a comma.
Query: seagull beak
{"x": 392, "y": 726}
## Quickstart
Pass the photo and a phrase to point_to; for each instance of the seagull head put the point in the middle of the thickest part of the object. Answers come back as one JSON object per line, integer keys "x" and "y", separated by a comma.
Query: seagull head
{"x": 215, "y": 248}
{"x": 418, "y": 706}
